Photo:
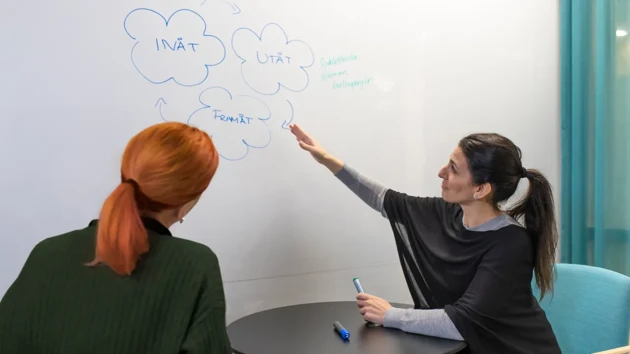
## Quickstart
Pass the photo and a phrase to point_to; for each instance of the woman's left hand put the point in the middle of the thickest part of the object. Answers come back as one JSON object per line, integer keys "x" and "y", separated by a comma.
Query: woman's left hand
{"x": 372, "y": 308}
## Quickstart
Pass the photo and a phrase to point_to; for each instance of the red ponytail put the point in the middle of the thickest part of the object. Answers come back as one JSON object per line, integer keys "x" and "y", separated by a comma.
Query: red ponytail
{"x": 121, "y": 236}
{"x": 165, "y": 166}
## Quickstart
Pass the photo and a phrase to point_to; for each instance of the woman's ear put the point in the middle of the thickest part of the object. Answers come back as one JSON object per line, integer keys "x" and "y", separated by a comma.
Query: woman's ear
{"x": 482, "y": 191}
{"x": 179, "y": 213}
{"x": 182, "y": 211}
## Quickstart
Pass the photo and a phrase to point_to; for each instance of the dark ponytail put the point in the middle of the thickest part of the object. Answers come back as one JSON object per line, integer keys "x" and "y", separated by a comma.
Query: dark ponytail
{"x": 538, "y": 210}
{"x": 495, "y": 159}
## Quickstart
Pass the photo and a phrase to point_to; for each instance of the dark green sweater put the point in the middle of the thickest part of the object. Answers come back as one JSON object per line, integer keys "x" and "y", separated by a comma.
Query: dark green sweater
{"x": 173, "y": 303}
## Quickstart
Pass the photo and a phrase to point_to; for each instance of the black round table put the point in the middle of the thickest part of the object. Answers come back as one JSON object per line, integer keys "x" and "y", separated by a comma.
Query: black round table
{"x": 308, "y": 329}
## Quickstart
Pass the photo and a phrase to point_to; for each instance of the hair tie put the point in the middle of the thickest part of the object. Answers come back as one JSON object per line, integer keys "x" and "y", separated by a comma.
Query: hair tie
{"x": 133, "y": 183}
{"x": 525, "y": 173}
{"x": 141, "y": 200}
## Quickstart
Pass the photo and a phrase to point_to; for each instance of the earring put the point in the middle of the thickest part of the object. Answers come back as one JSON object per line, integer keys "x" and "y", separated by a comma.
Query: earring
{"x": 475, "y": 196}
{"x": 181, "y": 221}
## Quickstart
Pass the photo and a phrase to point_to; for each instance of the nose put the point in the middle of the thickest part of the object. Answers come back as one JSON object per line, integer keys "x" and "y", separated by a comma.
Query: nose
{"x": 442, "y": 172}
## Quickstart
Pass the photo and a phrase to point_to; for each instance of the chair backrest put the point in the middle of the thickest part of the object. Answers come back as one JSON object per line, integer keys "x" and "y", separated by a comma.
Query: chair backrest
{"x": 589, "y": 309}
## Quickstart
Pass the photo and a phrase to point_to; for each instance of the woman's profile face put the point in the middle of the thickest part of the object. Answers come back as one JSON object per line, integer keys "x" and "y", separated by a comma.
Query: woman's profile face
{"x": 457, "y": 186}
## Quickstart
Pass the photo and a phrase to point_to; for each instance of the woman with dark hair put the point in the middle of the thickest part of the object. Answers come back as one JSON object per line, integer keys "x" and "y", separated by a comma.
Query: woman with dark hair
{"x": 467, "y": 263}
{"x": 124, "y": 284}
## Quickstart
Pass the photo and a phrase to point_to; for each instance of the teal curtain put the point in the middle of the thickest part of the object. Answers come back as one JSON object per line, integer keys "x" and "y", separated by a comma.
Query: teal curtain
{"x": 595, "y": 126}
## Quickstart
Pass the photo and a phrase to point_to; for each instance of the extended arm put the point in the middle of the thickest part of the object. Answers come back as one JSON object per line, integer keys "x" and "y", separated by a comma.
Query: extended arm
{"x": 370, "y": 191}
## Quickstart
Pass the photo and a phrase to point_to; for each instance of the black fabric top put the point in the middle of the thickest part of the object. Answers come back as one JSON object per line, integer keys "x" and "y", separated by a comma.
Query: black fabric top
{"x": 482, "y": 279}
{"x": 149, "y": 223}
{"x": 172, "y": 303}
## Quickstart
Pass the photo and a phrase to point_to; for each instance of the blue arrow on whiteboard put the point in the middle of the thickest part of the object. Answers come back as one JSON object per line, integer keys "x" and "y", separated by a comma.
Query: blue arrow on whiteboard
{"x": 159, "y": 104}
{"x": 236, "y": 10}
{"x": 285, "y": 124}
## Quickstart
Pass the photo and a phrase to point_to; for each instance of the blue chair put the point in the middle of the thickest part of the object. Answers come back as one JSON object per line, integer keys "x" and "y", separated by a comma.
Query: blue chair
{"x": 589, "y": 309}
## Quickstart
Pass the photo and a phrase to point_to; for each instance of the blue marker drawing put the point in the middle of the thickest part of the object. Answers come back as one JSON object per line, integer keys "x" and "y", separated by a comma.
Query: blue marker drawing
{"x": 159, "y": 104}
{"x": 272, "y": 61}
{"x": 177, "y": 48}
{"x": 235, "y": 9}
{"x": 285, "y": 124}
{"x": 235, "y": 123}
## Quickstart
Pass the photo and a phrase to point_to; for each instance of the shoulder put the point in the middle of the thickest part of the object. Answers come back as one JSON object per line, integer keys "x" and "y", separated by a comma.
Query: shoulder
{"x": 512, "y": 236}
{"x": 196, "y": 259}
{"x": 65, "y": 242}
{"x": 511, "y": 242}
{"x": 421, "y": 206}
{"x": 51, "y": 251}
{"x": 430, "y": 212}
{"x": 192, "y": 251}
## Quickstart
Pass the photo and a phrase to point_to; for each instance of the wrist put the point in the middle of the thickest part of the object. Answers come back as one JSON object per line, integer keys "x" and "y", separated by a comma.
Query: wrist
{"x": 332, "y": 163}
{"x": 393, "y": 317}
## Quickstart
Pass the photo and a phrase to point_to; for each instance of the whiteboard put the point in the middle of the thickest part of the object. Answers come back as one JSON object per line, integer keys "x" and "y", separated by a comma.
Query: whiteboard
{"x": 388, "y": 87}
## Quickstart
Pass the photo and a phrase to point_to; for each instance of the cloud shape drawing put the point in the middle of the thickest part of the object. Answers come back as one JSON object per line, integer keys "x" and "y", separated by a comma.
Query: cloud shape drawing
{"x": 272, "y": 61}
{"x": 235, "y": 123}
{"x": 175, "y": 48}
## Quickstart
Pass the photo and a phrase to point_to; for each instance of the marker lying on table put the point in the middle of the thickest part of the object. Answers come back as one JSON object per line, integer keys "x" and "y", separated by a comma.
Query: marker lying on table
{"x": 342, "y": 331}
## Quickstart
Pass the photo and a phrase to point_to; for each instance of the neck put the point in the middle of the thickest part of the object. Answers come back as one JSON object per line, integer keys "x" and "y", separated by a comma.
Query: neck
{"x": 161, "y": 217}
{"x": 478, "y": 213}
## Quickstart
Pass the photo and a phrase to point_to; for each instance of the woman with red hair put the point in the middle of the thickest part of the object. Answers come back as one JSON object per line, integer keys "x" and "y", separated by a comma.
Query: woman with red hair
{"x": 124, "y": 284}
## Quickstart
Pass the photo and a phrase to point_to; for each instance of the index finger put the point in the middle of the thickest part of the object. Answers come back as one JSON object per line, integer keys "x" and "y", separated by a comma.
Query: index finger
{"x": 363, "y": 296}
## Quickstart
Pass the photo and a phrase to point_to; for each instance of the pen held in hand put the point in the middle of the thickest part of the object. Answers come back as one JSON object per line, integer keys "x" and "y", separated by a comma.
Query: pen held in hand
{"x": 357, "y": 285}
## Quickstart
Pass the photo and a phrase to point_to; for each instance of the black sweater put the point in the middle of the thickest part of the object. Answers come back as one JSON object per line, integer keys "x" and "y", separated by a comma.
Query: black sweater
{"x": 173, "y": 302}
{"x": 481, "y": 279}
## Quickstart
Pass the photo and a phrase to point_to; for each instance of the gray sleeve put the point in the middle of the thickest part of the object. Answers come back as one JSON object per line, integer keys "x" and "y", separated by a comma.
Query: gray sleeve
{"x": 370, "y": 191}
{"x": 435, "y": 323}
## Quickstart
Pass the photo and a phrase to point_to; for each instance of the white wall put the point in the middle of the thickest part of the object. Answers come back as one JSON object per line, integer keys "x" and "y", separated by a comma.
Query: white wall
{"x": 285, "y": 230}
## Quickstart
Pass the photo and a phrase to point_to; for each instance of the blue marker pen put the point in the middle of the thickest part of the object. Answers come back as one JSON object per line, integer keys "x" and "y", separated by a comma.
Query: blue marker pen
{"x": 342, "y": 331}
{"x": 357, "y": 285}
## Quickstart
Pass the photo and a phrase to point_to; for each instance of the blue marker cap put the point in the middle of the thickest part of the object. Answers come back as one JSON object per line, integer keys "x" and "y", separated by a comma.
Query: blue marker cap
{"x": 357, "y": 285}
{"x": 342, "y": 331}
